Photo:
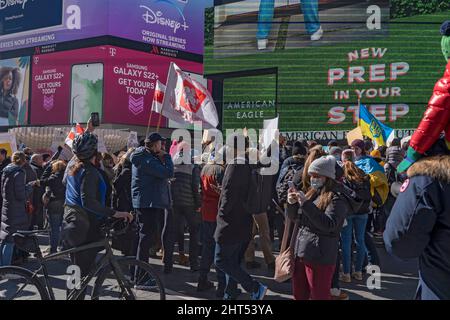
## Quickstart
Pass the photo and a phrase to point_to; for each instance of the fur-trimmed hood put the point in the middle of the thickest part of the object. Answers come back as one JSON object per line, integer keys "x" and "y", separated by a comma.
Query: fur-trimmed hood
{"x": 435, "y": 167}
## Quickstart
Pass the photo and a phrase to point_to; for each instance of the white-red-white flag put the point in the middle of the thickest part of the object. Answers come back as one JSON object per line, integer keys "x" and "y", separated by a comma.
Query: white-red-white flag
{"x": 187, "y": 101}
{"x": 74, "y": 132}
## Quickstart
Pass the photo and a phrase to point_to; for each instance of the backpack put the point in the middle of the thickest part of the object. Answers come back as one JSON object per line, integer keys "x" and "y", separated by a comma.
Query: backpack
{"x": 286, "y": 175}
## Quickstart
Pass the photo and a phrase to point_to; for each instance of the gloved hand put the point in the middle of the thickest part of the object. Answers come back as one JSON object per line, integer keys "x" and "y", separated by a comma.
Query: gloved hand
{"x": 411, "y": 157}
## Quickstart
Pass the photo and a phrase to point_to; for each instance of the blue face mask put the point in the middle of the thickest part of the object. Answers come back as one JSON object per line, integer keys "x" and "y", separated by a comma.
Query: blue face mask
{"x": 317, "y": 183}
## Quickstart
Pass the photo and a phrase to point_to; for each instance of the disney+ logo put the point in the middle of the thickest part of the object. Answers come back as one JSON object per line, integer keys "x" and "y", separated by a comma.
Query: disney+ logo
{"x": 152, "y": 17}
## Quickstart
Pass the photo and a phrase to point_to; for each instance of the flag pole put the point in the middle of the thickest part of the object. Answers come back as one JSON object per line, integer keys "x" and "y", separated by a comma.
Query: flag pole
{"x": 160, "y": 118}
{"x": 149, "y": 123}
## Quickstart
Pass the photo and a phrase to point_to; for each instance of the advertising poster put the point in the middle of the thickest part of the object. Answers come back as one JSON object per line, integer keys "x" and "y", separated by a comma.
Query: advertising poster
{"x": 14, "y": 91}
{"x": 319, "y": 85}
{"x": 67, "y": 86}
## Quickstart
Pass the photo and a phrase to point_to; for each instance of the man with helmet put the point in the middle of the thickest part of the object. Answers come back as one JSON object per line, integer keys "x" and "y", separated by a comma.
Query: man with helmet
{"x": 151, "y": 171}
{"x": 85, "y": 207}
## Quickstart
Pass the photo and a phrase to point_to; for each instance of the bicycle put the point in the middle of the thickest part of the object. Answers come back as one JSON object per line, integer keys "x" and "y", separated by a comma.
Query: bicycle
{"x": 129, "y": 276}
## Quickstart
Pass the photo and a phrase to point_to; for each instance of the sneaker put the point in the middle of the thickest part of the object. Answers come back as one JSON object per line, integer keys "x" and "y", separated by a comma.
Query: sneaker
{"x": 204, "y": 285}
{"x": 338, "y": 294}
{"x": 148, "y": 285}
{"x": 262, "y": 44}
{"x": 253, "y": 265}
{"x": 357, "y": 276}
{"x": 317, "y": 35}
{"x": 234, "y": 296}
{"x": 345, "y": 277}
{"x": 260, "y": 293}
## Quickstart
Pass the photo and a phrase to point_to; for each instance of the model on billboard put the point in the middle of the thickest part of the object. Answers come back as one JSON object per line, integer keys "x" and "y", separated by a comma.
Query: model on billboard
{"x": 437, "y": 116}
{"x": 9, "y": 104}
{"x": 310, "y": 9}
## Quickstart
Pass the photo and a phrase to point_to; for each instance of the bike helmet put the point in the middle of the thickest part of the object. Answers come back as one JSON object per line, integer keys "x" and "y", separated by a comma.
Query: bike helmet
{"x": 85, "y": 146}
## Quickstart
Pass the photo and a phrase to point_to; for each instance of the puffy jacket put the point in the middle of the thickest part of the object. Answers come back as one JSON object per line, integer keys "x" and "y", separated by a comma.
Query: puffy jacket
{"x": 319, "y": 233}
{"x": 3, "y": 165}
{"x": 436, "y": 118}
{"x": 419, "y": 223}
{"x": 15, "y": 193}
{"x": 394, "y": 155}
{"x": 150, "y": 180}
{"x": 87, "y": 190}
{"x": 186, "y": 186}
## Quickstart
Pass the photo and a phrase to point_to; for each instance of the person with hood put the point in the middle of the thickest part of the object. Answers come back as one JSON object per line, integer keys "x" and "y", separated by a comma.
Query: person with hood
{"x": 152, "y": 168}
{"x": 14, "y": 216}
{"x": 85, "y": 207}
{"x": 186, "y": 205}
{"x": 419, "y": 223}
{"x": 436, "y": 118}
{"x": 56, "y": 194}
{"x": 320, "y": 215}
{"x": 234, "y": 223}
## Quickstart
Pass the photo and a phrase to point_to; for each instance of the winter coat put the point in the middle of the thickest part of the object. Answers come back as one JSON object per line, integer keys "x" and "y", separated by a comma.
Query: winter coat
{"x": 54, "y": 182}
{"x": 3, "y": 165}
{"x": 419, "y": 223}
{"x": 436, "y": 117}
{"x": 234, "y": 220}
{"x": 360, "y": 194}
{"x": 186, "y": 186}
{"x": 15, "y": 193}
{"x": 319, "y": 231}
{"x": 122, "y": 189}
{"x": 211, "y": 181}
{"x": 150, "y": 180}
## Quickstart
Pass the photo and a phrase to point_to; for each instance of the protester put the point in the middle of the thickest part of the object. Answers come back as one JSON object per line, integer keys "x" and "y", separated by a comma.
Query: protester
{"x": 4, "y": 162}
{"x": 186, "y": 205}
{"x": 108, "y": 165}
{"x": 419, "y": 224}
{"x": 85, "y": 208}
{"x": 320, "y": 215}
{"x": 38, "y": 213}
{"x": 14, "y": 217}
{"x": 56, "y": 196}
{"x": 152, "y": 168}
{"x": 314, "y": 153}
{"x": 211, "y": 181}
{"x": 234, "y": 225}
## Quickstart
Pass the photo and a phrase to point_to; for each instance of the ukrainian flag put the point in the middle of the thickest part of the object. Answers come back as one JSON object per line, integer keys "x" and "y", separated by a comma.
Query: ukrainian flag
{"x": 372, "y": 128}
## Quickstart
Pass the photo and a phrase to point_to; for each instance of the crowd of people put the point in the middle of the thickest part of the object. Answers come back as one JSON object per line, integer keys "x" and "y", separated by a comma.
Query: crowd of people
{"x": 337, "y": 198}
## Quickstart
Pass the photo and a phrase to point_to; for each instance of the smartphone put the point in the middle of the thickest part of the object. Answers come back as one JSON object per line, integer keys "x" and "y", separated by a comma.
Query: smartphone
{"x": 95, "y": 118}
{"x": 86, "y": 91}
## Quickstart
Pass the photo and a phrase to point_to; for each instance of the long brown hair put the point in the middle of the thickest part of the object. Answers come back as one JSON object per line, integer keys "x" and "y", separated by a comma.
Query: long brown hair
{"x": 353, "y": 174}
{"x": 314, "y": 154}
{"x": 76, "y": 167}
{"x": 15, "y": 78}
{"x": 325, "y": 194}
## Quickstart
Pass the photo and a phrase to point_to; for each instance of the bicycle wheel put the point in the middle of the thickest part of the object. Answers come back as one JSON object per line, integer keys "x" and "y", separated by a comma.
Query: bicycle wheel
{"x": 140, "y": 277}
{"x": 20, "y": 284}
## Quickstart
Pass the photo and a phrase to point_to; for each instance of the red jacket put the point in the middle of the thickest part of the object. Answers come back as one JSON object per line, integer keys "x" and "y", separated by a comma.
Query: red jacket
{"x": 436, "y": 118}
{"x": 211, "y": 179}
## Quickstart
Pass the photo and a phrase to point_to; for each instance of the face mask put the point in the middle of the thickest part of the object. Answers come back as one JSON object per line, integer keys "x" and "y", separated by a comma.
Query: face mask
{"x": 317, "y": 183}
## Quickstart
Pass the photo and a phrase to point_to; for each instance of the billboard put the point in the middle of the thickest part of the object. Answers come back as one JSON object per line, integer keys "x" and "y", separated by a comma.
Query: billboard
{"x": 116, "y": 82}
{"x": 319, "y": 84}
{"x": 172, "y": 24}
{"x": 14, "y": 91}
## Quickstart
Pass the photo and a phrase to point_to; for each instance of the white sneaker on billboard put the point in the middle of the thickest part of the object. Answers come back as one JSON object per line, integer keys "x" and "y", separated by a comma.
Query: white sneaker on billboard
{"x": 262, "y": 44}
{"x": 317, "y": 35}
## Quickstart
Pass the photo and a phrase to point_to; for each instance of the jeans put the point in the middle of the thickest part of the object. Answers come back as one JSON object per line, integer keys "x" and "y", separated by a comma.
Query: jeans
{"x": 356, "y": 223}
{"x": 148, "y": 228}
{"x": 261, "y": 226}
{"x": 193, "y": 220}
{"x": 6, "y": 251}
{"x": 310, "y": 9}
{"x": 311, "y": 281}
{"x": 208, "y": 250}
{"x": 229, "y": 259}
{"x": 55, "y": 219}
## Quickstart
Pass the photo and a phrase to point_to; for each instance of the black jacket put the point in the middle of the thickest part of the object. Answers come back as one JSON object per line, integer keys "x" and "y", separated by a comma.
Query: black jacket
{"x": 359, "y": 194}
{"x": 15, "y": 193}
{"x": 3, "y": 165}
{"x": 419, "y": 223}
{"x": 185, "y": 187}
{"x": 234, "y": 220}
{"x": 57, "y": 188}
{"x": 122, "y": 189}
{"x": 38, "y": 192}
{"x": 319, "y": 232}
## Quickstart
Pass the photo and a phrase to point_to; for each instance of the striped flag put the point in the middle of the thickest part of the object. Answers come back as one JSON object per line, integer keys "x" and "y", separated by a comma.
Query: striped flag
{"x": 74, "y": 132}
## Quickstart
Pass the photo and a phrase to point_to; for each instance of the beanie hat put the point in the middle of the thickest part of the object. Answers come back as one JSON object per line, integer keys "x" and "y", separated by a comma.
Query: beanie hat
{"x": 335, "y": 150}
{"x": 298, "y": 149}
{"x": 325, "y": 166}
{"x": 445, "y": 43}
{"x": 360, "y": 144}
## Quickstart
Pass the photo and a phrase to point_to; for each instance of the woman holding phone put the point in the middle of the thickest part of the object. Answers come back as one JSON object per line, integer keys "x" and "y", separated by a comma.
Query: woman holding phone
{"x": 320, "y": 214}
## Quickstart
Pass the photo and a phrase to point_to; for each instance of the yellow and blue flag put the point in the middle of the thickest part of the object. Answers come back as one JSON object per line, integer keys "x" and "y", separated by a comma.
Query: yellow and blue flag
{"x": 374, "y": 129}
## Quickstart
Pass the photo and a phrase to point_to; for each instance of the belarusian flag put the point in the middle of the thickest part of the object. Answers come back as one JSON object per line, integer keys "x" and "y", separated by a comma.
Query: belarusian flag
{"x": 74, "y": 132}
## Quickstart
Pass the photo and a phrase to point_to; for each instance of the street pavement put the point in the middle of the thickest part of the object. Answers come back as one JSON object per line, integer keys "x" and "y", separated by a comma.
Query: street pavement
{"x": 398, "y": 280}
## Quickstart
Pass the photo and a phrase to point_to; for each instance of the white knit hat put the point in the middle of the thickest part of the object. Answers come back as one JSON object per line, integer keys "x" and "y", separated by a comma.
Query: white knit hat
{"x": 325, "y": 166}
